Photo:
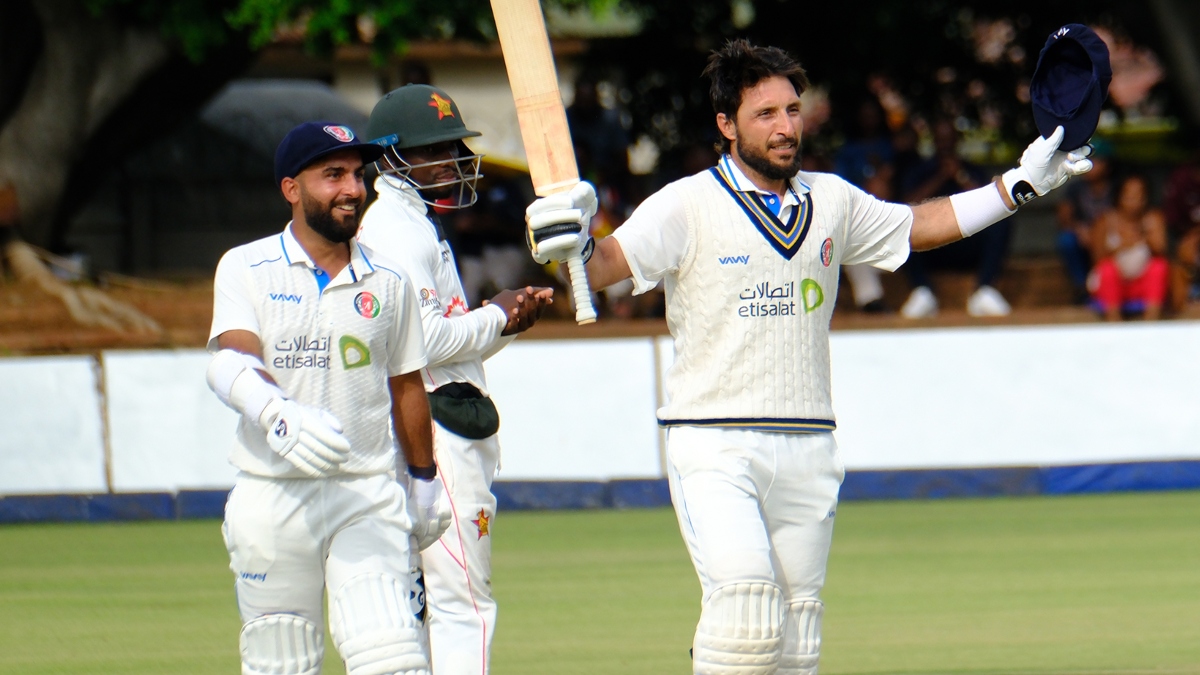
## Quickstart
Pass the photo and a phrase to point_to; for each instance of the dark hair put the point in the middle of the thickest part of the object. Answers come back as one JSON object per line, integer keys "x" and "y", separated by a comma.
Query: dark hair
{"x": 739, "y": 66}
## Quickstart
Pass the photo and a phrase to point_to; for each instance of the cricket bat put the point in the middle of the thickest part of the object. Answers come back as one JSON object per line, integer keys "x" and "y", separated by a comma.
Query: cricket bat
{"x": 542, "y": 118}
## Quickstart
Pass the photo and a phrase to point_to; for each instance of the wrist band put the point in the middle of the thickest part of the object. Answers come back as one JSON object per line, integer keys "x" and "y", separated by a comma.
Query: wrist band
{"x": 423, "y": 472}
{"x": 978, "y": 208}
{"x": 1015, "y": 182}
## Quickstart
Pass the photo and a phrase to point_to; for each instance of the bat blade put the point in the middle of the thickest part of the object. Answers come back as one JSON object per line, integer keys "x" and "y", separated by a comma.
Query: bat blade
{"x": 541, "y": 116}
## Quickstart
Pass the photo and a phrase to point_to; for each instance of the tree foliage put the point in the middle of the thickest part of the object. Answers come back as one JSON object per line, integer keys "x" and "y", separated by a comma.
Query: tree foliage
{"x": 198, "y": 27}
{"x": 210, "y": 41}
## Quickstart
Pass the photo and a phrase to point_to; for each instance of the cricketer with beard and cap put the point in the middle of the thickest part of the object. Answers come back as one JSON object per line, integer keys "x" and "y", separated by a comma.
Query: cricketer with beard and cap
{"x": 318, "y": 344}
{"x": 749, "y": 251}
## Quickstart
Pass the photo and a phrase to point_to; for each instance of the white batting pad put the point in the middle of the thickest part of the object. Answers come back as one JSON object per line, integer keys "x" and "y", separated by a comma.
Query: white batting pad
{"x": 374, "y": 627}
{"x": 740, "y": 631}
{"x": 801, "y": 638}
{"x": 282, "y": 644}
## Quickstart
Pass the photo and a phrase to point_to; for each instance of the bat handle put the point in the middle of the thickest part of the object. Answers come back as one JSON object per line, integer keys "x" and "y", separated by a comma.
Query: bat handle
{"x": 584, "y": 312}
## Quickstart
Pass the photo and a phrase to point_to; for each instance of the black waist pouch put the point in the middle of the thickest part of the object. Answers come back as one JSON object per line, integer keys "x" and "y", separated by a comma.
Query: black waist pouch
{"x": 464, "y": 410}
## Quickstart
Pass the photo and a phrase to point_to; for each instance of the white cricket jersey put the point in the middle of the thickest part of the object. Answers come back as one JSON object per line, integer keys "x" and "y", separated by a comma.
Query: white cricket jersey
{"x": 329, "y": 343}
{"x": 751, "y": 280}
{"x": 457, "y": 339}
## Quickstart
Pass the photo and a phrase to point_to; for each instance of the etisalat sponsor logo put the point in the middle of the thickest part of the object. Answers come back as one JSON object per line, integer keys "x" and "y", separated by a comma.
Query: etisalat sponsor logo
{"x": 302, "y": 352}
{"x": 355, "y": 353}
{"x": 766, "y": 300}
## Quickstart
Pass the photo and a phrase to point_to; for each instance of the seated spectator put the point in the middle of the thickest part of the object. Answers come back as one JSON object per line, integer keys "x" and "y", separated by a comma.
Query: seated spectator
{"x": 1129, "y": 245}
{"x": 1181, "y": 206}
{"x": 942, "y": 175}
{"x": 1084, "y": 201}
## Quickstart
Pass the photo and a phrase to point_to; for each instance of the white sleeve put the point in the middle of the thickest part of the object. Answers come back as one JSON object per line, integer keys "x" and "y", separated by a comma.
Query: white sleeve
{"x": 654, "y": 239}
{"x": 504, "y": 341}
{"x": 877, "y": 232}
{"x": 406, "y": 339}
{"x": 447, "y": 339}
{"x": 232, "y": 306}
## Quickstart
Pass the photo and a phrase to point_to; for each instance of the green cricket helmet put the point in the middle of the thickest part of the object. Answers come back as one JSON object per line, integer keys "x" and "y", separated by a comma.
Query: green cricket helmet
{"x": 418, "y": 115}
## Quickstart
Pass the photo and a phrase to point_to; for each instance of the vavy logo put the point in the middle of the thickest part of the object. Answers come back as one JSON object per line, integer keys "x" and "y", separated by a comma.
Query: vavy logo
{"x": 735, "y": 260}
{"x": 285, "y": 297}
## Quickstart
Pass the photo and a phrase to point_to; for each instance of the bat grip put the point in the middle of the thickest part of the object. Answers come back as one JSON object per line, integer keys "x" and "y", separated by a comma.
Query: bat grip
{"x": 584, "y": 312}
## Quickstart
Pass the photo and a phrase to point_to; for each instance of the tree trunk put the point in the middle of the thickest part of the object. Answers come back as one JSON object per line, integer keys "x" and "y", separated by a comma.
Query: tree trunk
{"x": 86, "y": 68}
{"x": 1178, "y": 23}
{"x": 20, "y": 45}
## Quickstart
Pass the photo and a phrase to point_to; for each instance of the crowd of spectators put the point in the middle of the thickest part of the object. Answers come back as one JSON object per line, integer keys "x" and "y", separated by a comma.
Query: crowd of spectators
{"x": 1123, "y": 252}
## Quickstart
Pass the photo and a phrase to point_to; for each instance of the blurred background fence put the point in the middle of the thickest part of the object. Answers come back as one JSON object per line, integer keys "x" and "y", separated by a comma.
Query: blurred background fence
{"x": 922, "y": 413}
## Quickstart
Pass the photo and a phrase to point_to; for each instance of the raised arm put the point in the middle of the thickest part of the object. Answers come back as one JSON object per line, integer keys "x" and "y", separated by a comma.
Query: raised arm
{"x": 608, "y": 264}
{"x": 1043, "y": 168}
{"x": 653, "y": 239}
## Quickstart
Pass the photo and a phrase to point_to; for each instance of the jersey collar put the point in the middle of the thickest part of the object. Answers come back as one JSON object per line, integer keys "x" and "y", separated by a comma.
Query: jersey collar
{"x": 743, "y": 184}
{"x": 405, "y": 195}
{"x": 359, "y": 267}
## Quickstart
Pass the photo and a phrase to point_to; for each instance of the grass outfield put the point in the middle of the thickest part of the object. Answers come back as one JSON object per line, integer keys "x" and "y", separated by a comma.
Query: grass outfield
{"x": 1103, "y": 584}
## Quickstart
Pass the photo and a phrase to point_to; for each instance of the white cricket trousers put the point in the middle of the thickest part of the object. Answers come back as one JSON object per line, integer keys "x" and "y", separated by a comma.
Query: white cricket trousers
{"x": 290, "y": 538}
{"x": 756, "y": 507}
{"x": 458, "y": 568}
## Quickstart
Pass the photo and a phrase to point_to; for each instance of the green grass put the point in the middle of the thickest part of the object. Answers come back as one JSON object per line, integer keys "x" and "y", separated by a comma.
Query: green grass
{"x": 1104, "y": 584}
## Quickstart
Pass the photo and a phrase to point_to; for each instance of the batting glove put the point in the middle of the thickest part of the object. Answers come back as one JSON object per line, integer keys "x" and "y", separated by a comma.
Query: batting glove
{"x": 558, "y": 226}
{"x": 1044, "y": 167}
{"x": 309, "y": 438}
{"x": 429, "y": 509}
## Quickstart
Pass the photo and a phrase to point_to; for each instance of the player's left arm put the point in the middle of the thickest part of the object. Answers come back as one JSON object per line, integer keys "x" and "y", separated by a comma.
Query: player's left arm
{"x": 1043, "y": 168}
{"x": 410, "y": 415}
{"x": 406, "y": 358}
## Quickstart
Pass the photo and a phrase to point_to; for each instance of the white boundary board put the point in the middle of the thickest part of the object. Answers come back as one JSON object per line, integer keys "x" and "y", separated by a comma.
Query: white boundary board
{"x": 167, "y": 430}
{"x": 1017, "y": 396}
{"x": 577, "y": 409}
{"x": 52, "y": 438}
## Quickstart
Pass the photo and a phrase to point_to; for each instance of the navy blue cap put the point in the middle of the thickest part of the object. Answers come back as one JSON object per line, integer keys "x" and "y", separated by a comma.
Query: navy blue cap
{"x": 313, "y": 140}
{"x": 1070, "y": 84}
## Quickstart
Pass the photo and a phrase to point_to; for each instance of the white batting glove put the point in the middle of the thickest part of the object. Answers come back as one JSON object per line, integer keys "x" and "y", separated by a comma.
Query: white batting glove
{"x": 557, "y": 226}
{"x": 309, "y": 438}
{"x": 1044, "y": 167}
{"x": 430, "y": 511}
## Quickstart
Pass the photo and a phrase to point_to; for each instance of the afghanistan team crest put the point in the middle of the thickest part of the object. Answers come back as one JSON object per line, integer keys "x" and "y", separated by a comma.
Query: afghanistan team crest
{"x": 827, "y": 252}
{"x": 339, "y": 132}
{"x": 367, "y": 305}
